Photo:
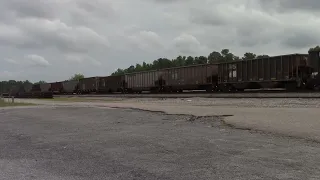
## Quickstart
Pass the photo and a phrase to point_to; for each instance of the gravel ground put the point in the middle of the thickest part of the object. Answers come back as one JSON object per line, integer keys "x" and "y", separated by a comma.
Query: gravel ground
{"x": 103, "y": 143}
{"x": 238, "y": 102}
{"x": 291, "y": 117}
{"x": 270, "y": 94}
{"x": 208, "y": 102}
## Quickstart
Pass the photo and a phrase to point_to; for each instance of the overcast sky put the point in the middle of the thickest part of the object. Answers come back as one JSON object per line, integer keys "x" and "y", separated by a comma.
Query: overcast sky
{"x": 53, "y": 39}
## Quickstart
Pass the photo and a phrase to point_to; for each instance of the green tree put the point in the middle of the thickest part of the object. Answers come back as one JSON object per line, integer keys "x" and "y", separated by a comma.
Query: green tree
{"x": 189, "y": 61}
{"x": 26, "y": 82}
{"x": 77, "y": 77}
{"x": 225, "y": 52}
{"x": 215, "y": 57}
{"x": 227, "y": 56}
{"x": 317, "y": 48}
{"x": 138, "y": 68}
{"x": 131, "y": 69}
{"x": 201, "y": 60}
{"x": 146, "y": 66}
{"x": 161, "y": 63}
{"x": 40, "y": 82}
{"x": 236, "y": 58}
{"x": 248, "y": 55}
{"x": 6, "y": 86}
{"x": 262, "y": 56}
{"x": 196, "y": 60}
{"x": 118, "y": 72}
{"x": 179, "y": 61}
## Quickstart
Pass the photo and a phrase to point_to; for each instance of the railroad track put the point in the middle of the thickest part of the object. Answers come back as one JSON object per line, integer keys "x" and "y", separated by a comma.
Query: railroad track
{"x": 260, "y": 94}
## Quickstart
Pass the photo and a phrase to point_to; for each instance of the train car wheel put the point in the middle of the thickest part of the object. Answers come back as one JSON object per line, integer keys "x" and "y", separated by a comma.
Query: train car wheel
{"x": 291, "y": 87}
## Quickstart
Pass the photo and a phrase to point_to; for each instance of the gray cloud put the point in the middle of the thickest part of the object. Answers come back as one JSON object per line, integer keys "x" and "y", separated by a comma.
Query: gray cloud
{"x": 170, "y": 1}
{"x": 146, "y": 40}
{"x": 6, "y": 74}
{"x": 187, "y": 44}
{"x": 40, "y": 38}
{"x": 36, "y": 60}
{"x": 291, "y": 5}
{"x": 11, "y": 61}
{"x": 31, "y": 60}
{"x": 45, "y": 33}
{"x": 11, "y": 35}
{"x": 81, "y": 58}
{"x": 33, "y": 8}
{"x": 301, "y": 37}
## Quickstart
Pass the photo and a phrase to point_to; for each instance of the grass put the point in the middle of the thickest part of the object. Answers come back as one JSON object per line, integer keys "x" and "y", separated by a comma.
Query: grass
{"x": 81, "y": 99}
{"x": 10, "y": 104}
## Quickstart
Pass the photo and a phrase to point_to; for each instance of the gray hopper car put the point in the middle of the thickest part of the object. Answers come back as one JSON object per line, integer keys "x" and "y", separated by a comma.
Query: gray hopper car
{"x": 142, "y": 81}
{"x": 70, "y": 87}
{"x": 45, "y": 87}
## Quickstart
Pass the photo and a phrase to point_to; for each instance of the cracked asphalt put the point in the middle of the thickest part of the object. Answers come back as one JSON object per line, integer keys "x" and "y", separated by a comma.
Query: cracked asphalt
{"x": 104, "y": 143}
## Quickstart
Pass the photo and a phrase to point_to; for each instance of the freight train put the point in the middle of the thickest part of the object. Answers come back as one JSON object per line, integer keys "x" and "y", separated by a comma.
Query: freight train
{"x": 291, "y": 71}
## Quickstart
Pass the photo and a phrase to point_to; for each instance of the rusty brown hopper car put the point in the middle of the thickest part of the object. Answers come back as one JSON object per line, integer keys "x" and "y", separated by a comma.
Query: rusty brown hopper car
{"x": 88, "y": 85}
{"x": 56, "y": 87}
{"x": 109, "y": 84}
{"x": 196, "y": 77}
{"x": 70, "y": 87}
{"x": 284, "y": 71}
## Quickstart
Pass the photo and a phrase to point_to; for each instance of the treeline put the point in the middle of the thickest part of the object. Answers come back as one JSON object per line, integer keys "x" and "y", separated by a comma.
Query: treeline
{"x": 5, "y": 86}
{"x": 215, "y": 57}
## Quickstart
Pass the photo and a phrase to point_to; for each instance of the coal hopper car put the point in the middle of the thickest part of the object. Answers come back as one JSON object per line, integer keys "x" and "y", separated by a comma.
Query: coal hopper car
{"x": 111, "y": 84}
{"x": 56, "y": 87}
{"x": 88, "y": 85}
{"x": 195, "y": 77}
{"x": 291, "y": 71}
{"x": 142, "y": 81}
{"x": 70, "y": 87}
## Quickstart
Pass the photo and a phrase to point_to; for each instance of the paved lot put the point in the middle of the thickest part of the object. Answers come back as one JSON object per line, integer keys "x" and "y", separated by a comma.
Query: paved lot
{"x": 100, "y": 143}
